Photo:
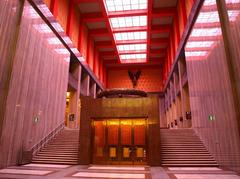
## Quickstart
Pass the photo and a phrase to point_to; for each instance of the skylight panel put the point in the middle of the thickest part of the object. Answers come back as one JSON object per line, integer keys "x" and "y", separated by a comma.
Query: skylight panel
{"x": 54, "y": 41}
{"x": 125, "y": 5}
{"x": 133, "y": 21}
{"x": 132, "y": 47}
{"x": 29, "y": 12}
{"x": 196, "y": 54}
{"x": 206, "y": 32}
{"x": 133, "y": 56}
{"x": 209, "y": 2}
{"x": 62, "y": 51}
{"x": 213, "y": 2}
{"x": 42, "y": 28}
{"x": 233, "y": 15}
{"x": 131, "y": 35}
{"x": 199, "y": 44}
{"x": 208, "y": 17}
{"x": 57, "y": 27}
{"x": 45, "y": 10}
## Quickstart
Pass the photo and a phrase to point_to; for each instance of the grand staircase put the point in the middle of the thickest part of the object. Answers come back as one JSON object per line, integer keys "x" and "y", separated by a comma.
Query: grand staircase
{"x": 183, "y": 148}
{"x": 63, "y": 149}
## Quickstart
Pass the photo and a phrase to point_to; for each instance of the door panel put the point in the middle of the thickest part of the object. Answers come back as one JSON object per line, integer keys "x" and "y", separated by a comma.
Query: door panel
{"x": 120, "y": 141}
{"x": 139, "y": 142}
{"x": 126, "y": 141}
{"x": 99, "y": 141}
{"x": 112, "y": 140}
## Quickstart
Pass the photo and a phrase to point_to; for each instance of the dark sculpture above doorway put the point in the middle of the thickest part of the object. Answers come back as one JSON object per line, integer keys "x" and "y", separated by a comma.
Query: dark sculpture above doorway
{"x": 119, "y": 93}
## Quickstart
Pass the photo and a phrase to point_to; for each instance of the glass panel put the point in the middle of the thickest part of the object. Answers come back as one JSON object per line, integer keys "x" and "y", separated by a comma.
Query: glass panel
{"x": 125, "y": 5}
{"x": 112, "y": 152}
{"x": 126, "y": 132}
{"x": 139, "y": 132}
{"x": 126, "y": 152}
{"x": 99, "y": 138}
{"x": 113, "y": 127}
{"x": 141, "y": 35}
{"x": 132, "y": 21}
{"x": 139, "y": 152}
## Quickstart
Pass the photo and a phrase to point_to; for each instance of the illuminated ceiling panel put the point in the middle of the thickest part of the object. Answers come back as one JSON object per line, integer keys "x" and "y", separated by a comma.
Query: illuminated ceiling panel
{"x": 208, "y": 17}
{"x": 199, "y": 44}
{"x": 131, "y": 36}
{"x": 42, "y": 28}
{"x": 56, "y": 41}
{"x": 213, "y": 2}
{"x": 196, "y": 54}
{"x": 206, "y": 32}
{"x": 132, "y": 21}
{"x": 62, "y": 51}
{"x": 133, "y": 56}
{"x": 233, "y": 15}
{"x": 132, "y": 47}
{"x": 123, "y": 21}
{"x": 206, "y": 26}
{"x": 125, "y": 5}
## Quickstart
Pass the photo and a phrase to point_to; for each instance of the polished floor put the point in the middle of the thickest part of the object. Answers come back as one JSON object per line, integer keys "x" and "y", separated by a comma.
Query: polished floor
{"x": 45, "y": 171}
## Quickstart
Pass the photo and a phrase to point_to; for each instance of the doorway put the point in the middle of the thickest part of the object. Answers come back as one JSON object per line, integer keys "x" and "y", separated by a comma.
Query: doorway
{"x": 119, "y": 141}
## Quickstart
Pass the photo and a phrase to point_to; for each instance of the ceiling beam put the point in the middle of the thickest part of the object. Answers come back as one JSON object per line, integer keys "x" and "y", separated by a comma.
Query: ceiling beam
{"x": 207, "y": 25}
{"x": 148, "y": 64}
{"x": 160, "y": 28}
{"x": 85, "y": 1}
{"x": 130, "y": 29}
{"x": 107, "y": 53}
{"x": 105, "y": 14}
{"x": 104, "y": 44}
{"x": 164, "y": 12}
{"x": 128, "y": 42}
{"x": 157, "y": 51}
{"x": 126, "y": 52}
{"x": 92, "y": 17}
{"x": 149, "y": 26}
{"x": 158, "y": 59}
{"x": 159, "y": 41}
{"x": 194, "y": 49}
{"x": 99, "y": 32}
{"x": 140, "y": 12}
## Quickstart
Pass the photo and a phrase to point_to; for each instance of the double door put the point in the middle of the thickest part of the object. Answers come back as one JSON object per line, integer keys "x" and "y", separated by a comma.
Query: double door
{"x": 120, "y": 141}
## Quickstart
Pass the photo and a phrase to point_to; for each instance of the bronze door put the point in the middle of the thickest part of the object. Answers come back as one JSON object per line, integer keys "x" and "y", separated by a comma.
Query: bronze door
{"x": 123, "y": 141}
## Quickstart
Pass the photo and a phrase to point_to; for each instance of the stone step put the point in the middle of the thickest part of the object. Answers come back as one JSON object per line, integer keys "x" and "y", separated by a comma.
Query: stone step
{"x": 181, "y": 147}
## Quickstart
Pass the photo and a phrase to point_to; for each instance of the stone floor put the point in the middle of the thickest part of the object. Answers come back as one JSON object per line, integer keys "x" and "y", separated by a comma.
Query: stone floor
{"x": 37, "y": 171}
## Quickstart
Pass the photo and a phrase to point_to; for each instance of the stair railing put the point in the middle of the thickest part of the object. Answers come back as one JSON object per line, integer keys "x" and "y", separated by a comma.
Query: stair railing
{"x": 27, "y": 155}
{"x": 37, "y": 147}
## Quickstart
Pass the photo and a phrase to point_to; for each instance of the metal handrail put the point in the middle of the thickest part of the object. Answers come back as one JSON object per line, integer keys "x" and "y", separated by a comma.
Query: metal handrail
{"x": 37, "y": 147}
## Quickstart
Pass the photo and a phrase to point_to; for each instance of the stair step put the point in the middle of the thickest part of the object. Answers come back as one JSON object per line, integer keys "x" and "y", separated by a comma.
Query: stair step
{"x": 63, "y": 149}
{"x": 182, "y": 147}
{"x": 74, "y": 157}
{"x": 55, "y": 155}
{"x": 189, "y": 165}
{"x": 189, "y": 159}
{"x": 57, "y": 162}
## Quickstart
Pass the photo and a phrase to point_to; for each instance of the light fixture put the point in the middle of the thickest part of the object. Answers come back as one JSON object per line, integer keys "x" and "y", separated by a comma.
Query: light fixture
{"x": 125, "y": 5}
